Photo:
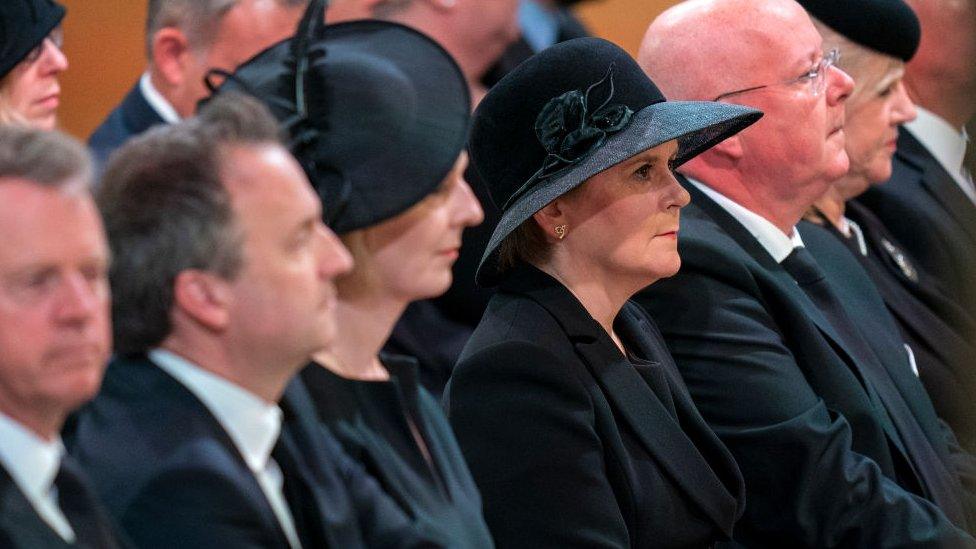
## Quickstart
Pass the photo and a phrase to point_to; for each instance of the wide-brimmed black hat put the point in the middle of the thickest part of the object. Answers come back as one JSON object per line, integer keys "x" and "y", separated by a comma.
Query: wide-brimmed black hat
{"x": 23, "y": 25}
{"x": 886, "y": 26}
{"x": 377, "y": 113}
{"x": 570, "y": 112}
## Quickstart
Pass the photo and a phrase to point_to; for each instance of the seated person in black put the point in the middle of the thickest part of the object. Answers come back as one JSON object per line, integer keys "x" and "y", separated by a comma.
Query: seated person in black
{"x": 939, "y": 331}
{"x": 222, "y": 277}
{"x": 55, "y": 337}
{"x": 566, "y": 403}
{"x": 400, "y": 206}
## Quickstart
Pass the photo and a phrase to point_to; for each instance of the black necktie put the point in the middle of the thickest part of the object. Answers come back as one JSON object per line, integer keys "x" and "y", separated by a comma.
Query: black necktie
{"x": 942, "y": 484}
{"x": 298, "y": 495}
{"x": 91, "y": 525}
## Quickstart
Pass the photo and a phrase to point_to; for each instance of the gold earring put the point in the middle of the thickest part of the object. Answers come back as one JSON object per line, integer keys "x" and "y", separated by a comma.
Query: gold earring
{"x": 560, "y": 231}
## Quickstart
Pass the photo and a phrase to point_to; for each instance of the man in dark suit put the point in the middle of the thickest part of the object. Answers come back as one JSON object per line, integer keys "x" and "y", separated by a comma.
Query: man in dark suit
{"x": 810, "y": 390}
{"x": 929, "y": 203}
{"x": 222, "y": 290}
{"x": 55, "y": 336}
{"x": 184, "y": 40}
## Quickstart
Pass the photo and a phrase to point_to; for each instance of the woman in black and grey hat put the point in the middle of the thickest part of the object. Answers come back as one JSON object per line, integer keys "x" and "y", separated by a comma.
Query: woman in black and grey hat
{"x": 566, "y": 403}
{"x": 30, "y": 62}
{"x": 876, "y": 38}
{"x": 379, "y": 120}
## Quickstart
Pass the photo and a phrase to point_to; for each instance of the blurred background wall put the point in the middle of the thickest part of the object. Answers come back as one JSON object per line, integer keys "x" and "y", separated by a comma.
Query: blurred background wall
{"x": 104, "y": 45}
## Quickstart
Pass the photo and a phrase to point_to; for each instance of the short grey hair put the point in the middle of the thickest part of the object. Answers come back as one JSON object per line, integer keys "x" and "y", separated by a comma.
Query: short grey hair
{"x": 166, "y": 210}
{"x": 198, "y": 19}
{"x": 48, "y": 158}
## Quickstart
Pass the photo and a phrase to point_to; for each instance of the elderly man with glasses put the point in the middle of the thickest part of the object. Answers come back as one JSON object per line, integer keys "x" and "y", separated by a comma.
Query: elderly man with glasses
{"x": 811, "y": 389}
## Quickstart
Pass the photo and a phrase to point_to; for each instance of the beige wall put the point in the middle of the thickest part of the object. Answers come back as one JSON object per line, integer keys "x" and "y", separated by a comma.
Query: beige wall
{"x": 104, "y": 45}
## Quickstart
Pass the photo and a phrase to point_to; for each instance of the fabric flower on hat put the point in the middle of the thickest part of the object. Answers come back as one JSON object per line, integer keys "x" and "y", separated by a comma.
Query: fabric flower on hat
{"x": 570, "y": 129}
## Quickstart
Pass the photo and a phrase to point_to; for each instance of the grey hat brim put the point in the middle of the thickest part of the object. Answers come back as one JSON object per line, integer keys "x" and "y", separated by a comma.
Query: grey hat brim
{"x": 697, "y": 125}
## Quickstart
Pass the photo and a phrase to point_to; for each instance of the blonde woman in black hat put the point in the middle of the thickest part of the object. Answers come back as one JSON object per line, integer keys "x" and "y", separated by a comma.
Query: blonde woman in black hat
{"x": 939, "y": 331}
{"x": 566, "y": 403}
{"x": 381, "y": 133}
{"x": 30, "y": 62}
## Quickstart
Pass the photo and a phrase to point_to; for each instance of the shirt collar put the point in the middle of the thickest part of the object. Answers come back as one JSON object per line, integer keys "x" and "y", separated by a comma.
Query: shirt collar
{"x": 156, "y": 100}
{"x": 947, "y": 144}
{"x": 773, "y": 240}
{"x": 252, "y": 423}
{"x": 539, "y": 25}
{"x": 31, "y": 461}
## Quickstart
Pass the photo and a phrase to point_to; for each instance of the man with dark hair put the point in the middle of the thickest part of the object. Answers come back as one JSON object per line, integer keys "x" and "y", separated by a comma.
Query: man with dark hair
{"x": 184, "y": 40}
{"x": 54, "y": 335}
{"x": 201, "y": 437}
{"x": 807, "y": 383}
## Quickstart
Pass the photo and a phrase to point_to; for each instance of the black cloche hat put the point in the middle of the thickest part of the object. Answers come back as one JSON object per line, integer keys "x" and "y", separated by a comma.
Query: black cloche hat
{"x": 570, "y": 112}
{"x": 886, "y": 26}
{"x": 377, "y": 113}
{"x": 23, "y": 25}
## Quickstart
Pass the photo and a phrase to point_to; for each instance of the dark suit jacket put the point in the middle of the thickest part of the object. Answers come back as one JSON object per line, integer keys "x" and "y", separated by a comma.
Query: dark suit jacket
{"x": 571, "y": 444}
{"x": 172, "y": 477}
{"x": 132, "y": 117}
{"x": 823, "y": 465}
{"x": 941, "y": 333}
{"x": 22, "y": 528}
{"x": 931, "y": 216}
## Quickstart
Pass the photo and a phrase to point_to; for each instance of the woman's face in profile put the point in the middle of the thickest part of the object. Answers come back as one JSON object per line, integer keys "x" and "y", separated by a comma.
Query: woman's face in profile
{"x": 877, "y": 107}
{"x": 624, "y": 220}
{"x": 31, "y": 90}
{"x": 411, "y": 255}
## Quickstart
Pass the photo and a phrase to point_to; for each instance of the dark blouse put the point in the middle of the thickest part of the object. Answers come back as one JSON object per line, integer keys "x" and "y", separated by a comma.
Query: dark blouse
{"x": 373, "y": 421}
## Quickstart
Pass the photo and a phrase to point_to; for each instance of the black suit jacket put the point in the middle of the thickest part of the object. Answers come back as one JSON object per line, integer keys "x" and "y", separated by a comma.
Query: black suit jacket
{"x": 941, "y": 333}
{"x": 132, "y": 117}
{"x": 931, "y": 216}
{"x": 22, "y": 528}
{"x": 571, "y": 444}
{"x": 172, "y": 477}
{"x": 823, "y": 466}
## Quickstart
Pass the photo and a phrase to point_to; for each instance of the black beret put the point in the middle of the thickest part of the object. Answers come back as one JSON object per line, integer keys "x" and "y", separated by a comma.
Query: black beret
{"x": 23, "y": 25}
{"x": 886, "y": 26}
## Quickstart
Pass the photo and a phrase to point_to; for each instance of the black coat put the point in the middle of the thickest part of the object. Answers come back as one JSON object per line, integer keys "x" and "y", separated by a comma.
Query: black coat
{"x": 22, "y": 528}
{"x": 941, "y": 333}
{"x": 378, "y": 422}
{"x": 171, "y": 476}
{"x": 571, "y": 444}
{"x": 132, "y": 117}
{"x": 823, "y": 464}
{"x": 931, "y": 216}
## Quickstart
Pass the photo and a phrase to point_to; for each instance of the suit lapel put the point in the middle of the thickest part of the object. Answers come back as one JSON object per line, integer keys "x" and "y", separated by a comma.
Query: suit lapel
{"x": 20, "y": 522}
{"x": 137, "y": 113}
{"x": 938, "y": 182}
{"x": 194, "y": 410}
{"x": 659, "y": 433}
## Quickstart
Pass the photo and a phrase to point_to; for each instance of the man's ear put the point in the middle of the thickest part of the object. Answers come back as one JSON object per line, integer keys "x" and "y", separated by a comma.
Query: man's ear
{"x": 730, "y": 149}
{"x": 170, "y": 51}
{"x": 203, "y": 297}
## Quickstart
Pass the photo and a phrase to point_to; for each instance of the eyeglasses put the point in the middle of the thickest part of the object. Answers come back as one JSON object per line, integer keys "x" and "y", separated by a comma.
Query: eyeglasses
{"x": 56, "y": 37}
{"x": 815, "y": 79}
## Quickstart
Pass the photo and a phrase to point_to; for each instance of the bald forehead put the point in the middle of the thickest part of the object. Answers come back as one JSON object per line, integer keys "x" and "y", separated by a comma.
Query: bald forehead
{"x": 699, "y": 48}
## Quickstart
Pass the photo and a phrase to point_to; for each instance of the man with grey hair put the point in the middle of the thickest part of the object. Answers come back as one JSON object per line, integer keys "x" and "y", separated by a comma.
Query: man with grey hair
{"x": 184, "y": 40}
{"x": 54, "y": 335}
{"x": 808, "y": 384}
{"x": 223, "y": 279}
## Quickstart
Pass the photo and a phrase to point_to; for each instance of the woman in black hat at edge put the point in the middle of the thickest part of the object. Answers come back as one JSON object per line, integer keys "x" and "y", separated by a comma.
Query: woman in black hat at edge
{"x": 568, "y": 408}
{"x": 30, "y": 62}
{"x": 388, "y": 115}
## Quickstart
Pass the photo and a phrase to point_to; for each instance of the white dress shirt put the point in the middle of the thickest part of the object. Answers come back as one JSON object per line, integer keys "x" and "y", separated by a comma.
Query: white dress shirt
{"x": 156, "y": 100}
{"x": 252, "y": 423}
{"x": 33, "y": 464}
{"x": 947, "y": 145}
{"x": 776, "y": 242}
